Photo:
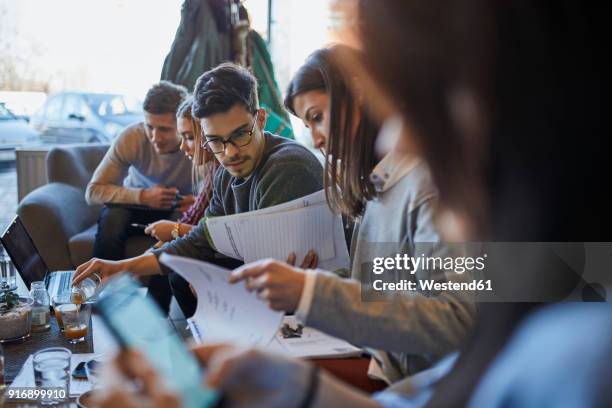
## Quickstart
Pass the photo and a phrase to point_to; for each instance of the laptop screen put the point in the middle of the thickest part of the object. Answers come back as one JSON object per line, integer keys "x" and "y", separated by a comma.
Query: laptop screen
{"x": 23, "y": 253}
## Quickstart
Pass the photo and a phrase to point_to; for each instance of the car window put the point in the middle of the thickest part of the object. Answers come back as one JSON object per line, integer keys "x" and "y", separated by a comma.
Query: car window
{"x": 84, "y": 109}
{"x": 54, "y": 109}
{"x": 108, "y": 104}
{"x": 72, "y": 106}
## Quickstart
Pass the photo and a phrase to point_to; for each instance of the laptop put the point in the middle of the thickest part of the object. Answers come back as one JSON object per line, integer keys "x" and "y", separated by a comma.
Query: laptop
{"x": 28, "y": 262}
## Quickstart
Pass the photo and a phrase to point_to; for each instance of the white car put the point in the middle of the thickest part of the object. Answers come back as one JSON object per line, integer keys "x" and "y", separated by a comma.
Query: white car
{"x": 14, "y": 132}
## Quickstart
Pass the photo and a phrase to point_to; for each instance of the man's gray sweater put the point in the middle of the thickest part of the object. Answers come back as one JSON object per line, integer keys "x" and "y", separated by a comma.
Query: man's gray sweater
{"x": 286, "y": 171}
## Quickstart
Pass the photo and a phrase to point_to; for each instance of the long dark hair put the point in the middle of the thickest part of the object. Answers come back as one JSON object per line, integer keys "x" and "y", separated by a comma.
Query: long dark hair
{"x": 350, "y": 154}
{"x": 537, "y": 168}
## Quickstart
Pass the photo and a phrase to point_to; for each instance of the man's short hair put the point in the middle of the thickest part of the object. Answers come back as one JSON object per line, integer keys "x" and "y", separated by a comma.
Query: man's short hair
{"x": 219, "y": 89}
{"x": 164, "y": 97}
{"x": 184, "y": 109}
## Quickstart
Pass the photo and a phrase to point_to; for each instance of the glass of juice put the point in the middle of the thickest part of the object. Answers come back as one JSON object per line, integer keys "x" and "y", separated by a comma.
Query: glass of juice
{"x": 59, "y": 302}
{"x": 76, "y": 321}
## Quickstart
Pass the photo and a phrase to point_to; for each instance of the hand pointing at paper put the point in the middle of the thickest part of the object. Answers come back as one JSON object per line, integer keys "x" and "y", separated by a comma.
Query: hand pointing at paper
{"x": 276, "y": 282}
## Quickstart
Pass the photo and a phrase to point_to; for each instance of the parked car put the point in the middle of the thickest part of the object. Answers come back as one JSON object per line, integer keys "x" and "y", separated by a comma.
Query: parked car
{"x": 14, "y": 132}
{"x": 73, "y": 117}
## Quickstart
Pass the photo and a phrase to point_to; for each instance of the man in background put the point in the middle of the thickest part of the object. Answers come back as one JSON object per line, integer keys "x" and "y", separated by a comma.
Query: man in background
{"x": 144, "y": 177}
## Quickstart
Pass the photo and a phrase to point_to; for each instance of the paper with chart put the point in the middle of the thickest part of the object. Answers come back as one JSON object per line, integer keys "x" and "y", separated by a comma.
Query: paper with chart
{"x": 225, "y": 312}
{"x": 274, "y": 232}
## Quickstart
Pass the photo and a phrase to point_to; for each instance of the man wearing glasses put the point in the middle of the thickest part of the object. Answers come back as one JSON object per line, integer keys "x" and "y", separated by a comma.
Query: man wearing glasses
{"x": 258, "y": 170}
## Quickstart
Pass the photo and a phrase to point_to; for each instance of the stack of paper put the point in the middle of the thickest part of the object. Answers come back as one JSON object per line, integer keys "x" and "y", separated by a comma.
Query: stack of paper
{"x": 297, "y": 226}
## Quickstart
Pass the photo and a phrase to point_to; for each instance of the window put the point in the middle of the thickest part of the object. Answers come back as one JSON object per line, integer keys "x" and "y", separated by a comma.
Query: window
{"x": 53, "y": 110}
{"x": 72, "y": 106}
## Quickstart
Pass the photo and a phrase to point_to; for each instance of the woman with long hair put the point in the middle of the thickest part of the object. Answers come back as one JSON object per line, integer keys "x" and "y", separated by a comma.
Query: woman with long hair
{"x": 392, "y": 201}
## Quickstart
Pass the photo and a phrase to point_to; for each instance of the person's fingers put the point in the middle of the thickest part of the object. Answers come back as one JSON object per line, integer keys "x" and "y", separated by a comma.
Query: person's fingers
{"x": 264, "y": 294}
{"x": 187, "y": 200}
{"x": 164, "y": 398}
{"x": 185, "y": 207}
{"x": 291, "y": 259}
{"x": 221, "y": 366}
{"x": 166, "y": 199}
{"x": 259, "y": 283}
{"x": 169, "y": 192}
{"x": 135, "y": 365}
{"x": 311, "y": 260}
{"x": 306, "y": 260}
{"x": 84, "y": 273}
{"x": 204, "y": 352}
{"x": 113, "y": 399}
{"x": 251, "y": 270}
{"x": 83, "y": 266}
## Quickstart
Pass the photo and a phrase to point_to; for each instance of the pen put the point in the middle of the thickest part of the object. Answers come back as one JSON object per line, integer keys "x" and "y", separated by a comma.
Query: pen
{"x": 135, "y": 225}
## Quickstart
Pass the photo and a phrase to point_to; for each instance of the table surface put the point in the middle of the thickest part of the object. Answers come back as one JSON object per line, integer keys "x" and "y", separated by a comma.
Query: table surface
{"x": 350, "y": 370}
{"x": 16, "y": 353}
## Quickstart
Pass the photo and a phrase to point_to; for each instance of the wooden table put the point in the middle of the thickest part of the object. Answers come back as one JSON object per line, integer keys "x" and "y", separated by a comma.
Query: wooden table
{"x": 350, "y": 370}
{"x": 15, "y": 354}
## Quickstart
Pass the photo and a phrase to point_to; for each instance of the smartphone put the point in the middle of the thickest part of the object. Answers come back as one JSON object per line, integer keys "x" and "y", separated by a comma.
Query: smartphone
{"x": 138, "y": 323}
{"x": 79, "y": 372}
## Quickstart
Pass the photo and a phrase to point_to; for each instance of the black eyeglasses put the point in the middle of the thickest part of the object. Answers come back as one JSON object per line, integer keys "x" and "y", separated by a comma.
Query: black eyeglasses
{"x": 238, "y": 140}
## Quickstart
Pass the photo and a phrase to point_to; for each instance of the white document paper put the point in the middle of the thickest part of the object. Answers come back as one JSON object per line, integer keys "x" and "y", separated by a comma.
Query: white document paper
{"x": 297, "y": 226}
{"x": 312, "y": 344}
{"x": 223, "y": 229}
{"x": 225, "y": 312}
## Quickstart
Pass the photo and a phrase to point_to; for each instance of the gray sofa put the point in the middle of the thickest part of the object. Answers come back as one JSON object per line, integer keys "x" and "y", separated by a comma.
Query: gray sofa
{"x": 61, "y": 223}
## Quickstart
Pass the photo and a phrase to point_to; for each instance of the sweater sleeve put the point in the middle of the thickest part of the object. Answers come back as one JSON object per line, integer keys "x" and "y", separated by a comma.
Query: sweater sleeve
{"x": 106, "y": 185}
{"x": 196, "y": 243}
{"x": 410, "y": 323}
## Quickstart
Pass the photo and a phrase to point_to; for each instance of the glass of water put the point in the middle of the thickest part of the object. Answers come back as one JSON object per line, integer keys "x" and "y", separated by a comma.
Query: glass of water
{"x": 52, "y": 370}
{"x": 8, "y": 273}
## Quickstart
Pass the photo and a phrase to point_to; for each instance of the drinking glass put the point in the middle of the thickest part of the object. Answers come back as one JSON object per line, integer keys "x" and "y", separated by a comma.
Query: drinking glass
{"x": 8, "y": 273}
{"x": 52, "y": 370}
{"x": 76, "y": 321}
{"x": 59, "y": 302}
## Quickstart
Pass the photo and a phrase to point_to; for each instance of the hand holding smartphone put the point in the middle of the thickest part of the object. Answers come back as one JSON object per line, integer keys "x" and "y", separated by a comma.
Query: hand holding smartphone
{"x": 138, "y": 323}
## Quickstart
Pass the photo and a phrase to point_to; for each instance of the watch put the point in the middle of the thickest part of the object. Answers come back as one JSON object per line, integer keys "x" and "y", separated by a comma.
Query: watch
{"x": 176, "y": 231}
